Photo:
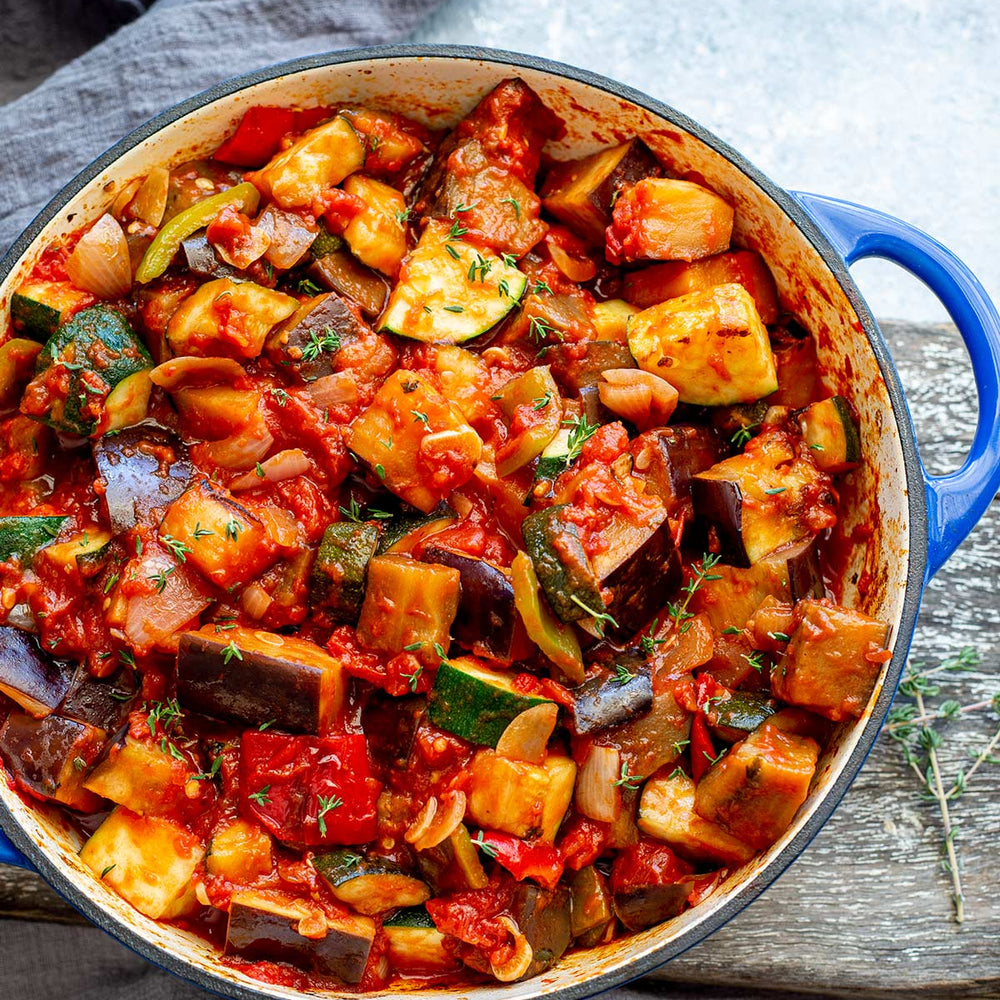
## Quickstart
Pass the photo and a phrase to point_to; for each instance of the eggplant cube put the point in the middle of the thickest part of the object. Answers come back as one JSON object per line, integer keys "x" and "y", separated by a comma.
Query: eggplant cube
{"x": 257, "y": 677}
{"x": 513, "y": 796}
{"x": 543, "y": 917}
{"x": 147, "y": 860}
{"x": 37, "y": 683}
{"x": 604, "y": 701}
{"x": 834, "y": 658}
{"x": 141, "y": 777}
{"x": 142, "y": 467}
{"x": 269, "y": 926}
{"x": 307, "y": 343}
{"x": 101, "y": 702}
{"x": 225, "y": 541}
{"x": 581, "y": 193}
{"x": 416, "y": 441}
{"x": 50, "y": 757}
{"x": 711, "y": 346}
{"x": 756, "y": 789}
{"x": 340, "y": 572}
{"x": 409, "y": 603}
{"x": 666, "y": 811}
{"x": 668, "y": 458}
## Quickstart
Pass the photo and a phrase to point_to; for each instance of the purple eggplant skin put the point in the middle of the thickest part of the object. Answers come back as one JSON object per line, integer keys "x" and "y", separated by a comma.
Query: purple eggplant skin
{"x": 50, "y": 757}
{"x": 718, "y": 505}
{"x": 144, "y": 466}
{"x": 603, "y": 701}
{"x": 329, "y": 316}
{"x": 205, "y": 262}
{"x": 643, "y": 583}
{"x": 639, "y": 162}
{"x": 640, "y": 908}
{"x": 669, "y": 457}
{"x": 805, "y": 579}
{"x": 35, "y": 681}
{"x": 255, "y": 689}
{"x": 592, "y": 407}
{"x": 487, "y": 619}
{"x": 389, "y": 725}
{"x": 543, "y": 915}
{"x": 257, "y": 933}
{"x": 576, "y": 367}
{"x": 100, "y": 702}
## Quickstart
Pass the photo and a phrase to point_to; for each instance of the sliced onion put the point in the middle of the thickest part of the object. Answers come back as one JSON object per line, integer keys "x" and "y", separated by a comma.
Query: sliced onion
{"x": 280, "y": 525}
{"x": 290, "y": 236}
{"x": 285, "y": 464}
{"x": 151, "y": 619}
{"x": 528, "y": 734}
{"x": 520, "y": 961}
{"x": 242, "y": 252}
{"x": 100, "y": 262}
{"x": 597, "y": 796}
{"x": 642, "y": 398}
{"x": 244, "y": 448}
{"x": 338, "y": 389}
{"x": 255, "y": 600}
{"x": 123, "y": 198}
{"x": 436, "y": 822}
{"x": 574, "y": 269}
{"x": 150, "y": 201}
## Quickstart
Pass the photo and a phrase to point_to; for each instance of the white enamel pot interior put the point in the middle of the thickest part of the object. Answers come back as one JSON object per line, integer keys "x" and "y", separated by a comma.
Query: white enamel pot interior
{"x": 884, "y": 498}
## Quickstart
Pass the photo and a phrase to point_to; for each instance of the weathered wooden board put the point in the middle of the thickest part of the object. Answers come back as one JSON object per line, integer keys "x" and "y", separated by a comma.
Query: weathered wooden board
{"x": 866, "y": 911}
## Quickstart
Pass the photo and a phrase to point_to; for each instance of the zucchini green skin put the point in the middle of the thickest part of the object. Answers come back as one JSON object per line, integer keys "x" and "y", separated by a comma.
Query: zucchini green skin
{"x": 398, "y": 527}
{"x": 97, "y": 331}
{"x": 739, "y": 714}
{"x": 38, "y": 307}
{"x": 341, "y": 568}
{"x": 370, "y": 885}
{"x": 831, "y": 433}
{"x": 24, "y": 536}
{"x": 562, "y": 566}
{"x": 555, "y": 457}
{"x": 475, "y": 703}
{"x": 414, "y": 916}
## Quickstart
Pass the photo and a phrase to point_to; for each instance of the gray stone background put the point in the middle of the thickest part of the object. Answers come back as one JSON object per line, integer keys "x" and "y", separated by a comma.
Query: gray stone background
{"x": 892, "y": 103}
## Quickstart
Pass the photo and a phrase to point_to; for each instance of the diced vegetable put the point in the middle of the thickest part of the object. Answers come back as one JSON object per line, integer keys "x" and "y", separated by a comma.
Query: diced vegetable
{"x": 582, "y": 193}
{"x": 763, "y": 500}
{"x": 370, "y": 884}
{"x": 319, "y": 160}
{"x": 476, "y": 703}
{"x": 22, "y": 537}
{"x": 415, "y": 441}
{"x": 228, "y": 318}
{"x": 608, "y": 700}
{"x": 306, "y": 345}
{"x": 667, "y": 459}
{"x": 260, "y": 677}
{"x": 486, "y": 622}
{"x": 597, "y": 792}
{"x": 653, "y": 740}
{"x": 223, "y": 540}
{"x": 828, "y": 428}
{"x": 756, "y": 789}
{"x": 666, "y": 219}
{"x": 534, "y": 412}
{"x": 543, "y": 917}
{"x": 273, "y": 926}
{"x": 377, "y": 234}
{"x": 102, "y": 702}
{"x": 142, "y": 777}
{"x": 408, "y": 529}
{"x": 448, "y": 291}
{"x": 127, "y": 403}
{"x": 710, "y": 345}
{"x": 611, "y": 319}
{"x": 833, "y": 659}
{"x": 408, "y": 604}
{"x": 79, "y": 366}
{"x": 526, "y": 800}
{"x": 648, "y": 884}
{"x": 666, "y": 811}
{"x": 652, "y": 285}
{"x": 147, "y": 860}
{"x": 641, "y": 398}
{"x": 202, "y": 259}
{"x": 339, "y": 271}
{"x": 100, "y": 261}
{"x": 308, "y": 789}
{"x": 340, "y": 573}
{"x": 591, "y": 912}
{"x": 454, "y": 865}
{"x": 239, "y": 852}
{"x": 415, "y": 944}
{"x": 39, "y": 307}
{"x": 49, "y": 757}
{"x": 18, "y": 358}
{"x": 580, "y": 366}
{"x": 527, "y": 737}
{"x": 733, "y": 715}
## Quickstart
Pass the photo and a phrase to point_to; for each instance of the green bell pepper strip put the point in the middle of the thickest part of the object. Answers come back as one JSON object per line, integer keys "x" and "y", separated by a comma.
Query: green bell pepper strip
{"x": 168, "y": 240}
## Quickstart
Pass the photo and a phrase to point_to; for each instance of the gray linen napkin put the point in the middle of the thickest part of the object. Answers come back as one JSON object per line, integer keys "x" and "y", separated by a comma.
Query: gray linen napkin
{"x": 176, "y": 49}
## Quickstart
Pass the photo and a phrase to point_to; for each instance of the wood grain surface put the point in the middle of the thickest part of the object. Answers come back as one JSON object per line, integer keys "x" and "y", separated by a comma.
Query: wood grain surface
{"x": 866, "y": 911}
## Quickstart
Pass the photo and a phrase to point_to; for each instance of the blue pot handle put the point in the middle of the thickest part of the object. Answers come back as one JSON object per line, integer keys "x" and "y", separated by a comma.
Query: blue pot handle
{"x": 955, "y": 502}
{"x": 10, "y": 855}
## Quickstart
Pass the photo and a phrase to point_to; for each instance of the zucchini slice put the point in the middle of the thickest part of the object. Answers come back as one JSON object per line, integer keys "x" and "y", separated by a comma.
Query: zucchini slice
{"x": 476, "y": 703}
{"x": 415, "y": 944}
{"x": 341, "y": 569}
{"x": 829, "y": 429}
{"x": 22, "y": 537}
{"x": 370, "y": 885}
{"x": 377, "y": 234}
{"x": 38, "y": 307}
{"x": 556, "y": 457}
{"x": 449, "y": 291}
{"x": 404, "y": 530}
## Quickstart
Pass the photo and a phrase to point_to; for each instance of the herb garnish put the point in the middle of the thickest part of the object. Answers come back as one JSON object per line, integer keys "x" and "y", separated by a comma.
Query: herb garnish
{"x": 326, "y": 803}
{"x": 702, "y": 574}
{"x": 630, "y": 782}
{"x": 260, "y": 797}
{"x": 329, "y": 341}
{"x": 488, "y": 849}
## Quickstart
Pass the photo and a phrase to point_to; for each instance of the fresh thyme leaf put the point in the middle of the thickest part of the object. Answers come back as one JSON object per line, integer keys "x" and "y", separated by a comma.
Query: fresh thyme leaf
{"x": 488, "y": 849}
{"x": 630, "y": 782}
{"x": 515, "y": 204}
{"x": 160, "y": 579}
{"x": 326, "y": 803}
{"x": 231, "y": 650}
{"x": 622, "y": 674}
{"x": 542, "y": 401}
{"x": 328, "y": 340}
{"x": 260, "y": 796}
{"x": 233, "y": 529}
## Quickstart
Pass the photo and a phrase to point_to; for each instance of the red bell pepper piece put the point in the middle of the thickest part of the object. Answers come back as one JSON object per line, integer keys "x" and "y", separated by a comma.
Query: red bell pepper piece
{"x": 257, "y": 137}
{"x": 307, "y": 118}
{"x": 309, "y": 789}
{"x": 649, "y": 862}
{"x": 583, "y": 841}
{"x": 540, "y": 862}
{"x": 702, "y": 750}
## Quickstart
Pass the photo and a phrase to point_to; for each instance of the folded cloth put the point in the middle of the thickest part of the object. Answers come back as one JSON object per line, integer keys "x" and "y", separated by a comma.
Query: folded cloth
{"x": 176, "y": 49}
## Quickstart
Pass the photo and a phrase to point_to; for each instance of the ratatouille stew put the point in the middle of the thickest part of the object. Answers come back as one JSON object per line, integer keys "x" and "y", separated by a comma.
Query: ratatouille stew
{"x": 413, "y": 545}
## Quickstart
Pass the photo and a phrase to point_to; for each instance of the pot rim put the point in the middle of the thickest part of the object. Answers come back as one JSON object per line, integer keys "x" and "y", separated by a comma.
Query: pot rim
{"x": 915, "y": 490}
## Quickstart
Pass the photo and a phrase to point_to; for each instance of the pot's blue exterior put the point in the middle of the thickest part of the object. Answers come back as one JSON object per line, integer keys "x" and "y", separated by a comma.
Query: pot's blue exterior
{"x": 941, "y": 514}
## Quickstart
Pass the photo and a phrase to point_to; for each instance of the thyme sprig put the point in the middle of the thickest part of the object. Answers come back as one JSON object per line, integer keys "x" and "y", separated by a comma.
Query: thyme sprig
{"x": 701, "y": 574}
